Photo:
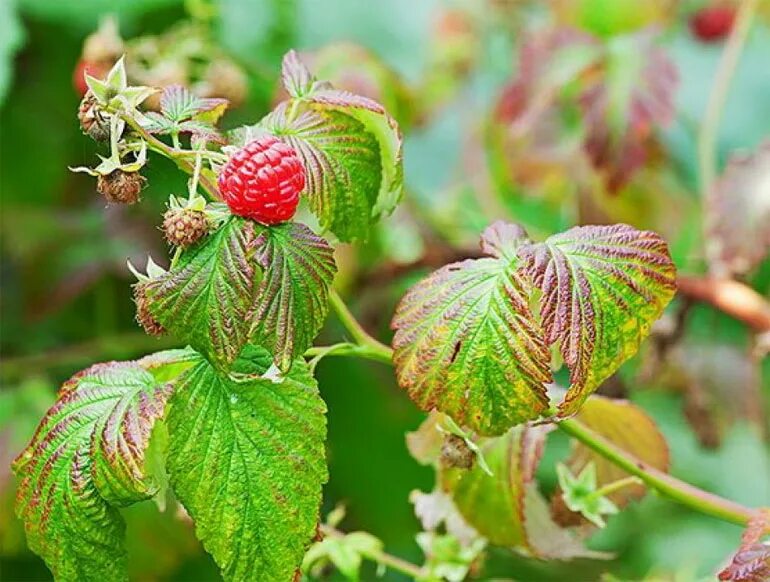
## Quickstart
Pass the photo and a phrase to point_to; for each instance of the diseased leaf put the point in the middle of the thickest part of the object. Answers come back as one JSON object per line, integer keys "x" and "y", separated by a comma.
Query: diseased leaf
{"x": 546, "y": 538}
{"x": 86, "y": 458}
{"x": 602, "y": 288}
{"x": 206, "y": 298}
{"x": 506, "y": 507}
{"x": 246, "y": 458}
{"x": 293, "y": 297}
{"x": 467, "y": 343}
{"x": 738, "y": 214}
{"x": 628, "y": 427}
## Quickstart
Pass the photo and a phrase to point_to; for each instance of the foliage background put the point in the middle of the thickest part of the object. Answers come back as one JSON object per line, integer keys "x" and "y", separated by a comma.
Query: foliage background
{"x": 65, "y": 300}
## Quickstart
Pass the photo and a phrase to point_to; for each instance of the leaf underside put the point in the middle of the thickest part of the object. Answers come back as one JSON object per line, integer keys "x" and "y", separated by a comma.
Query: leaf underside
{"x": 602, "y": 288}
{"x": 246, "y": 458}
{"x": 293, "y": 297}
{"x": 86, "y": 459}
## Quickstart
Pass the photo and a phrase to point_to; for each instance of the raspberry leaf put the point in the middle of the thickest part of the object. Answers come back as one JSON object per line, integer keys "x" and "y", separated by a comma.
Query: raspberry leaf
{"x": 342, "y": 164}
{"x": 246, "y": 458}
{"x": 351, "y": 148}
{"x": 626, "y": 426}
{"x": 205, "y": 299}
{"x": 293, "y": 297}
{"x": 467, "y": 343}
{"x": 602, "y": 288}
{"x": 87, "y": 458}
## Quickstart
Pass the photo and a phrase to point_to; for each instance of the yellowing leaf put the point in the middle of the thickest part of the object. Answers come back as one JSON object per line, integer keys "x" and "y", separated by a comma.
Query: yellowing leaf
{"x": 467, "y": 343}
{"x": 602, "y": 288}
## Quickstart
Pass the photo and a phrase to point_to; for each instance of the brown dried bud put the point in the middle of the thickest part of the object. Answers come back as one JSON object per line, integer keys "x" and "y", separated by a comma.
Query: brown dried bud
{"x": 121, "y": 187}
{"x": 184, "y": 227}
{"x": 93, "y": 121}
{"x": 143, "y": 316}
{"x": 456, "y": 453}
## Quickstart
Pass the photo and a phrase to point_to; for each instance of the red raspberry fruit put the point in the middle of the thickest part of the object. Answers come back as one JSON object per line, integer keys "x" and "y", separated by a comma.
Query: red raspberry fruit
{"x": 263, "y": 181}
{"x": 712, "y": 23}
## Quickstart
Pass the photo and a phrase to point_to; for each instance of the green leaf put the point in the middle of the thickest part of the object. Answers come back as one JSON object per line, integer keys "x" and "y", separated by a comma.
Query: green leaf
{"x": 204, "y": 301}
{"x": 602, "y": 288}
{"x": 293, "y": 297}
{"x": 246, "y": 458}
{"x": 178, "y": 104}
{"x": 467, "y": 343}
{"x": 86, "y": 458}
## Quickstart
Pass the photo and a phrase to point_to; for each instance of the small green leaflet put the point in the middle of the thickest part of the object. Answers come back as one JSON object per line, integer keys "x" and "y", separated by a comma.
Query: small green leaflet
{"x": 246, "y": 281}
{"x": 205, "y": 299}
{"x": 246, "y": 458}
{"x": 293, "y": 297}
{"x": 181, "y": 111}
{"x": 86, "y": 459}
{"x": 602, "y": 288}
{"x": 351, "y": 148}
{"x": 467, "y": 343}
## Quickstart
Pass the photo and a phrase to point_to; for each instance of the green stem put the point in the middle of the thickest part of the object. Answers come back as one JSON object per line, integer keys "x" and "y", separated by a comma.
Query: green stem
{"x": 358, "y": 333}
{"x": 178, "y": 156}
{"x": 381, "y": 557}
{"x": 348, "y": 349}
{"x": 663, "y": 483}
{"x": 610, "y": 488}
{"x": 707, "y": 140}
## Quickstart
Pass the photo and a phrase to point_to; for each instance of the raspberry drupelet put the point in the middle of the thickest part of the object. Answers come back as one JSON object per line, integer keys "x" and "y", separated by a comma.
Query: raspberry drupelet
{"x": 263, "y": 181}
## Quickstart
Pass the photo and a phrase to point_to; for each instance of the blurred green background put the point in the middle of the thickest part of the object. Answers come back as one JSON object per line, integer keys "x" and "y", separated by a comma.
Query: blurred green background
{"x": 65, "y": 296}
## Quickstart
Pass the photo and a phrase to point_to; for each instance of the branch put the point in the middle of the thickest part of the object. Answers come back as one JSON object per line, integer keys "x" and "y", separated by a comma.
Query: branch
{"x": 379, "y": 556}
{"x": 732, "y": 297}
{"x": 671, "y": 487}
{"x": 178, "y": 156}
{"x": 663, "y": 483}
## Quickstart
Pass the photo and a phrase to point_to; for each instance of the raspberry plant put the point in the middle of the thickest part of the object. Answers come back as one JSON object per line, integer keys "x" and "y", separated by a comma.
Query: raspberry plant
{"x": 233, "y": 423}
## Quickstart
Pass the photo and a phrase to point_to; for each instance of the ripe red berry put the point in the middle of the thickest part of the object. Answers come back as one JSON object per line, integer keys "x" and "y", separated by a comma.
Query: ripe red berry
{"x": 713, "y": 23}
{"x": 263, "y": 181}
